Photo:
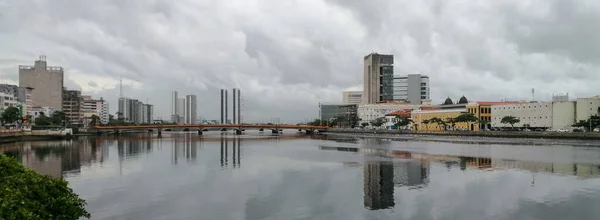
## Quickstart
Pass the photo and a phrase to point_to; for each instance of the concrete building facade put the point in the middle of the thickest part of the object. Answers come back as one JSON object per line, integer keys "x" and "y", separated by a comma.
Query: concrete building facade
{"x": 72, "y": 106}
{"x": 47, "y": 83}
{"x": 368, "y": 113}
{"x": 378, "y": 75}
{"x": 352, "y": 97}
{"x": 191, "y": 109}
{"x": 174, "y": 107}
{"x": 93, "y": 107}
{"x": 533, "y": 114}
{"x": 22, "y": 95}
{"x": 586, "y": 107}
{"x": 413, "y": 88}
{"x": 181, "y": 111}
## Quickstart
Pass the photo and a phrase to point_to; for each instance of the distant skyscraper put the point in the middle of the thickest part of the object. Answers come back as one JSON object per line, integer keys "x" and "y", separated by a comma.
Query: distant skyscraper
{"x": 174, "y": 107}
{"x": 46, "y": 81}
{"x": 181, "y": 111}
{"x": 190, "y": 109}
{"x": 378, "y": 78}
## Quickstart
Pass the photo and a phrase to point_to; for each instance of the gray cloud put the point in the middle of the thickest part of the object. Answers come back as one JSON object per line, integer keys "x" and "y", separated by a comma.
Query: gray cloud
{"x": 287, "y": 56}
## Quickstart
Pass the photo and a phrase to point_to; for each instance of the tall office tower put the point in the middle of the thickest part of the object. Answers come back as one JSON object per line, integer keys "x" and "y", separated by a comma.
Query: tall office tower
{"x": 174, "y": 107}
{"x": 46, "y": 81}
{"x": 378, "y": 78}
{"x": 181, "y": 111}
{"x": 226, "y": 109}
{"x": 234, "y": 106}
{"x": 413, "y": 88}
{"x": 123, "y": 108}
{"x": 222, "y": 106}
{"x": 190, "y": 109}
{"x": 239, "y": 109}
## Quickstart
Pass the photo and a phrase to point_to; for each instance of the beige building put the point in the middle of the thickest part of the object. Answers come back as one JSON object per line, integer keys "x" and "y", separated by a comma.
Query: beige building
{"x": 72, "y": 107}
{"x": 378, "y": 79}
{"x": 352, "y": 97}
{"x": 46, "y": 81}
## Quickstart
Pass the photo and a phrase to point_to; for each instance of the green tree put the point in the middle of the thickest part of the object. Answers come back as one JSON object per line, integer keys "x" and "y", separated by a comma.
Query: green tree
{"x": 26, "y": 194}
{"x": 438, "y": 121}
{"x": 512, "y": 120}
{"x": 94, "y": 121}
{"x": 58, "y": 118}
{"x": 378, "y": 122}
{"x": 402, "y": 121}
{"x": 43, "y": 120}
{"x": 590, "y": 124}
{"x": 426, "y": 122}
{"x": 10, "y": 115}
{"x": 466, "y": 118}
{"x": 364, "y": 124}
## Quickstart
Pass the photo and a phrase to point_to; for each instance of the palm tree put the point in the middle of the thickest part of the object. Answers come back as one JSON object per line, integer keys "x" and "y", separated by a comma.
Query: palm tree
{"x": 426, "y": 122}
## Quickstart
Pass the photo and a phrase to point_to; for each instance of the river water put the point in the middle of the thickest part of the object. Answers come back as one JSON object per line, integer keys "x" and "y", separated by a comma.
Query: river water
{"x": 294, "y": 176}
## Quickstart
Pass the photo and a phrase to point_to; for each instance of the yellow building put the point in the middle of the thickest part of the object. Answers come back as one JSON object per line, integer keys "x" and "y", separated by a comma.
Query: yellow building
{"x": 483, "y": 112}
{"x": 420, "y": 115}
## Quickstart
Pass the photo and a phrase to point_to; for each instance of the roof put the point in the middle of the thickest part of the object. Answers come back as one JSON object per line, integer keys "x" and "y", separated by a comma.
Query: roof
{"x": 404, "y": 113}
{"x": 499, "y": 103}
{"x": 429, "y": 108}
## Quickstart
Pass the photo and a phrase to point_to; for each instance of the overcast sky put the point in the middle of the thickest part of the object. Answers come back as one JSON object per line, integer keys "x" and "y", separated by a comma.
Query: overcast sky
{"x": 286, "y": 56}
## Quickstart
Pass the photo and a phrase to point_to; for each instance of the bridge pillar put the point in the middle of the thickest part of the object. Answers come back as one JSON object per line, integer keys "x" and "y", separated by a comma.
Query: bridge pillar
{"x": 274, "y": 131}
{"x": 238, "y": 131}
{"x": 117, "y": 132}
{"x": 200, "y": 131}
{"x": 311, "y": 131}
{"x": 261, "y": 129}
{"x": 160, "y": 132}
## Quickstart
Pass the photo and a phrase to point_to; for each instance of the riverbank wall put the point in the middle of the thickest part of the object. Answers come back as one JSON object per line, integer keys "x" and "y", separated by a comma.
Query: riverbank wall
{"x": 7, "y": 136}
{"x": 495, "y": 134}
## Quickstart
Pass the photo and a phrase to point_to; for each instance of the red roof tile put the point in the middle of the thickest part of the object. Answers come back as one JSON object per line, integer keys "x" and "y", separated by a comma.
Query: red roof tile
{"x": 402, "y": 113}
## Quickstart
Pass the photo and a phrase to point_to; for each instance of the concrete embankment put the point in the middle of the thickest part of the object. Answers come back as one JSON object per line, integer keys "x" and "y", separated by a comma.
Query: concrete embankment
{"x": 496, "y": 134}
{"x": 7, "y": 136}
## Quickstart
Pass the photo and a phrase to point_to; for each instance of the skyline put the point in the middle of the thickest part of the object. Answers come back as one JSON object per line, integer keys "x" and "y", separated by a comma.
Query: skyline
{"x": 486, "y": 51}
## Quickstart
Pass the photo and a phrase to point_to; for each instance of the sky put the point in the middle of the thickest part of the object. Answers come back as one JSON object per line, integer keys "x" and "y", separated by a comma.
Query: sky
{"x": 287, "y": 56}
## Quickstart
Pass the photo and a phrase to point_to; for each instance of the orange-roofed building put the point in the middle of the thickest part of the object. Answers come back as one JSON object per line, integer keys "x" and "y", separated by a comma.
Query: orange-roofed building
{"x": 483, "y": 111}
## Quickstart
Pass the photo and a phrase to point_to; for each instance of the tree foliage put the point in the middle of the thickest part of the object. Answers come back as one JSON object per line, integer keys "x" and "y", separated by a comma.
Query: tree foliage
{"x": 466, "y": 117}
{"x": 593, "y": 121}
{"x": 402, "y": 121}
{"x": 43, "y": 120}
{"x": 438, "y": 121}
{"x": 58, "y": 118}
{"x": 512, "y": 120}
{"x": 378, "y": 122}
{"x": 10, "y": 115}
{"x": 364, "y": 124}
{"x": 26, "y": 194}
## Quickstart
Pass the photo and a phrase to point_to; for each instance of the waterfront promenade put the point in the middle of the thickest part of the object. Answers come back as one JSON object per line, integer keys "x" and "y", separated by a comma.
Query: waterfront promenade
{"x": 496, "y": 134}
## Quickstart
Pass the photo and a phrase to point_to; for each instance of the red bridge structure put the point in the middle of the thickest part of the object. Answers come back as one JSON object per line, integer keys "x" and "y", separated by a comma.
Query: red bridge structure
{"x": 201, "y": 127}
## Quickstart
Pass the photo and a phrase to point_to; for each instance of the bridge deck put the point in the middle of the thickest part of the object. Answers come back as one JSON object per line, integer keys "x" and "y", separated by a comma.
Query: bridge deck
{"x": 201, "y": 126}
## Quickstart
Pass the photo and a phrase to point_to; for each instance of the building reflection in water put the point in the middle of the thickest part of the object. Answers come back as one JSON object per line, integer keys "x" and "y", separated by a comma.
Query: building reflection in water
{"x": 378, "y": 185}
{"x": 236, "y": 152}
{"x": 186, "y": 147}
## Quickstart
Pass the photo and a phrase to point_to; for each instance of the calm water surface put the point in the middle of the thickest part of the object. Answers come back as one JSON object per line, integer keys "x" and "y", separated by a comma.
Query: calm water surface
{"x": 186, "y": 176}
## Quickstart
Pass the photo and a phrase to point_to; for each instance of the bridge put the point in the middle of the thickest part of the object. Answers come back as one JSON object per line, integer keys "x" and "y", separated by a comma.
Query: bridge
{"x": 237, "y": 127}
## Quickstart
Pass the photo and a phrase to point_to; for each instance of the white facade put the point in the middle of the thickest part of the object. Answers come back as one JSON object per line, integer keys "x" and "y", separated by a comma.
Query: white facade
{"x": 563, "y": 114}
{"x": 352, "y": 97}
{"x": 37, "y": 111}
{"x": 174, "y": 107}
{"x": 191, "y": 109}
{"x": 104, "y": 113}
{"x": 586, "y": 107}
{"x": 180, "y": 111}
{"x": 535, "y": 114}
{"x": 413, "y": 88}
{"x": 368, "y": 113}
{"x": 8, "y": 100}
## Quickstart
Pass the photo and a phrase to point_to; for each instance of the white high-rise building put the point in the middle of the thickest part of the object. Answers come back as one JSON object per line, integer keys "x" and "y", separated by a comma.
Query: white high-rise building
{"x": 174, "y": 107}
{"x": 180, "y": 111}
{"x": 413, "y": 88}
{"x": 190, "y": 109}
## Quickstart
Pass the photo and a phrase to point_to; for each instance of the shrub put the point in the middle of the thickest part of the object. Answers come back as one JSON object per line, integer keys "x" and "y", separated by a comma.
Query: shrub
{"x": 26, "y": 194}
